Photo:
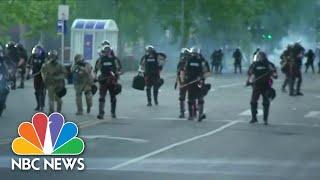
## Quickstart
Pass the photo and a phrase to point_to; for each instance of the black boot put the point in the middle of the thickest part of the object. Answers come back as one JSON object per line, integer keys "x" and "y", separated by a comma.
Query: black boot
{"x": 113, "y": 108}
{"x": 21, "y": 86}
{"x": 42, "y": 100}
{"x": 155, "y": 95}
{"x": 265, "y": 113}
{"x": 101, "y": 109}
{"x": 254, "y": 112}
{"x": 191, "y": 109}
{"x": 298, "y": 93}
{"x": 201, "y": 114}
{"x": 182, "y": 109}
{"x": 38, "y": 101}
{"x": 148, "y": 90}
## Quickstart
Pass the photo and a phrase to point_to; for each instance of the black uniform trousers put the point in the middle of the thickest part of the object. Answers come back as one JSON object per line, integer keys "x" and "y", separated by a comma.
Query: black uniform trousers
{"x": 152, "y": 81}
{"x": 257, "y": 91}
{"x": 106, "y": 86}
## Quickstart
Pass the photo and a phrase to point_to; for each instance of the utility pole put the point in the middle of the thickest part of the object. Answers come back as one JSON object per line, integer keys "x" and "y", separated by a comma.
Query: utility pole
{"x": 63, "y": 16}
{"x": 182, "y": 24}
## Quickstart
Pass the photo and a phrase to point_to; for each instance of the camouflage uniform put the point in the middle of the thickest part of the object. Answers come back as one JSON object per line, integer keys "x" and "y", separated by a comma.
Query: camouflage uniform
{"x": 53, "y": 75}
{"x": 83, "y": 80}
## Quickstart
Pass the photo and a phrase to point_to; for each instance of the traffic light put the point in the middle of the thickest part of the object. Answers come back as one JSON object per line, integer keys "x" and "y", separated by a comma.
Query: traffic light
{"x": 267, "y": 36}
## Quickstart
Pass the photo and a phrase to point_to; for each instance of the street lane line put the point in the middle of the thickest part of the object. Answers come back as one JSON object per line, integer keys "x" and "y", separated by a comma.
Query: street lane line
{"x": 135, "y": 140}
{"x": 248, "y": 112}
{"x": 312, "y": 114}
{"x": 230, "y": 85}
{"x": 93, "y": 123}
{"x": 166, "y": 148}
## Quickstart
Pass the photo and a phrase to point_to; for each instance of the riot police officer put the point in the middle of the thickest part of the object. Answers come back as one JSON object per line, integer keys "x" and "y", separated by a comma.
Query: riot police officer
{"x": 151, "y": 66}
{"x": 196, "y": 69}
{"x": 108, "y": 79}
{"x": 4, "y": 89}
{"x": 13, "y": 59}
{"x": 184, "y": 55}
{"x": 260, "y": 76}
{"x": 22, "y": 62}
{"x": 237, "y": 55}
{"x": 83, "y": 81}
{"x": 296, "y": 55}
{"x": 310, "y": 55}
{"x": 36, "y": 60}
{"x": 53, "y": 74}
{"x": 107, "y": 43}
{"x": 285, "y": 58}
{"x": 213, "y": 59}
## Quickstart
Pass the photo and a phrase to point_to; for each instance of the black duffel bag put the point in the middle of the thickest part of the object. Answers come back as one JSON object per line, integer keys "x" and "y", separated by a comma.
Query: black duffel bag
{"x": 138, "y": 82}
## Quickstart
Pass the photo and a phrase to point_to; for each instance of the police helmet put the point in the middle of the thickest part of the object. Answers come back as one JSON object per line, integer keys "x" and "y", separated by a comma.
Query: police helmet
{"x": 160, "y": 82}
{"x": 1, "y": 50}
{"x": 205, "y": 89}
{"x": 62, "y": 92}
{"x": 117, "y": 89}
{"x": 78, "y": 58}
{"x": 185, "y": 50}
{"x": 53, "y": 55}
{"x": 10, "y": 44}
{"x": 261, "y": 56}
{"x": 195, "y": 50}
{"x": 106, "y": 49}
{"x": 37, "y": 50}
{"x": 18, "y": 46}
{"x": 94, "y": 89}
{"x": 149, "y": 48}
{"x": 105, "y": 42}
{"x": 271, "y": 93}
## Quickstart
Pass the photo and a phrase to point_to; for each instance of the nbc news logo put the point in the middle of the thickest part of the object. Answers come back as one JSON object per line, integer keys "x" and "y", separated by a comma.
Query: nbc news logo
{"x": 48, "y": 136}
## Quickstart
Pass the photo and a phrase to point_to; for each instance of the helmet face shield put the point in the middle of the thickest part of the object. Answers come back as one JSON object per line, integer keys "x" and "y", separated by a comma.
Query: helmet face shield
{"x": 37, "y": 50}
{"x": 79, "y": 58}
{"x": 105, "y": 42}
{"x": 53, "y": 55}
{"x": 106, "y": 50}
{"x": 149, "y": 49}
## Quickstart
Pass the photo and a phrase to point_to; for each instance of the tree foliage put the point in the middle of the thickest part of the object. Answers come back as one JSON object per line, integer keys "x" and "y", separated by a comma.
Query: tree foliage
{"x": 220, "y": 20}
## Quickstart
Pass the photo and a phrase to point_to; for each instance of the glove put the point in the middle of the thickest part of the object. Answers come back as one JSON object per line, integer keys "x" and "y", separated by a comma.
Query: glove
{"x": 248, "y": 83}
{"x": 175, "y": 85}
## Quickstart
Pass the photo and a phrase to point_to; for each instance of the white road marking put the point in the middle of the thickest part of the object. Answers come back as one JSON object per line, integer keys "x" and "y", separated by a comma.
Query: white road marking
{"x": 312, "y": 114}
{"x": 166, "y": 148}
{"x": 230, "y": 85}
{"x": 169, "y": 119}
{"x": 135, "y": 140}
{"x": 248, "y": 112}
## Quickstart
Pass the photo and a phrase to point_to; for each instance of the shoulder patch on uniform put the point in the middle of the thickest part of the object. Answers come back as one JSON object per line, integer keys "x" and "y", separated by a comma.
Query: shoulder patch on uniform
{"x": 107, "y": 64}
{"x": 150, "y": 60}
{"x": 261, "y": 67}
{"x": 194, "y": 64}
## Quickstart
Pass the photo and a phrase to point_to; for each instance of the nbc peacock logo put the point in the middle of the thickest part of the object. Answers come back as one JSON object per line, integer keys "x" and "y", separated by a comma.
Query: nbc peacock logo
{"x": 49, "y": 136}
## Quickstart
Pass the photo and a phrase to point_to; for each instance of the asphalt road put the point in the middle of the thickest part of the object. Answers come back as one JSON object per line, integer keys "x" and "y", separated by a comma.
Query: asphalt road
{"x": 152, "y": 143}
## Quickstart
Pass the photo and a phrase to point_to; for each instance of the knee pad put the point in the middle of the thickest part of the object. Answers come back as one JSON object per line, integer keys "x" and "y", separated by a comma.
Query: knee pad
{"x": 113, "y": 100}
{"x": 79, "y": 94}
{"x": 191, "y": 102}
{"x": 102, "y": 99}
{"x": 254, "y": 104}
{"x": 266, "y": 104}
{"x": 88, "y": 93}
{"x": 200, "y": 101}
